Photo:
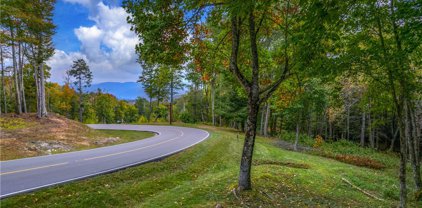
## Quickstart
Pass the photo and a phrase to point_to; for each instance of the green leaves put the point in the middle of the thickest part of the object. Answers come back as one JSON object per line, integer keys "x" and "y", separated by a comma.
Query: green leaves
{"x": 161, "y": 29}
{"x": 80, "y": 71}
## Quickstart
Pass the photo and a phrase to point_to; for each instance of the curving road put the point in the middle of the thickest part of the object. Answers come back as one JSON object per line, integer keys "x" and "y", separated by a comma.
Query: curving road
{"x": 24, "y": 175}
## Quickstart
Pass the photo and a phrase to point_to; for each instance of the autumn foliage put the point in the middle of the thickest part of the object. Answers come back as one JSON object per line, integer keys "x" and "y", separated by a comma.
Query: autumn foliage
{"x": 354, "y": 160}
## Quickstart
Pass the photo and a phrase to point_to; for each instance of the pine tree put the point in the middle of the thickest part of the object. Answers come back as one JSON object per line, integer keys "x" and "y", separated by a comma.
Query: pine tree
{"x": 83, "y": 78}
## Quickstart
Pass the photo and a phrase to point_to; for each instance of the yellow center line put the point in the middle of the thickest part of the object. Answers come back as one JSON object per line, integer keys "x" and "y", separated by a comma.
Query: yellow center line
{"x": 132, "y": 150}
{"x": 29, "y": 169}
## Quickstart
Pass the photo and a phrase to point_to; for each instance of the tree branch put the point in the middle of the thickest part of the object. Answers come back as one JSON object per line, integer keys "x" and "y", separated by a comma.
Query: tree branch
{"x": 260, "y": 22}
{"x": 235, "y": 52}
{"x": 269, "y": 90}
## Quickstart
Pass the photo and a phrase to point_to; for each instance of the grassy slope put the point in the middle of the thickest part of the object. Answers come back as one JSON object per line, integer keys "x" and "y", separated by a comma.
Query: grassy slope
{"x": 206, "y": 174}
{"x": 19, "y": 133}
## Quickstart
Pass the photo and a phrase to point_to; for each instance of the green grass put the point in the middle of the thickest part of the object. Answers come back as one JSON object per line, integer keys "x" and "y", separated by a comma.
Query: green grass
{"x": 206, "y": 174}
{"x": 14, "y": 123}
{"x": 345, "y": 147}
{"x": 123, "y": 135}
{"x": 126, "y": 135}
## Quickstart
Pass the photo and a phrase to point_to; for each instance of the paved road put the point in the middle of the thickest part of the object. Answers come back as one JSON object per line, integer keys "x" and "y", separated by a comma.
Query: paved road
{"x": 24, "y": 175}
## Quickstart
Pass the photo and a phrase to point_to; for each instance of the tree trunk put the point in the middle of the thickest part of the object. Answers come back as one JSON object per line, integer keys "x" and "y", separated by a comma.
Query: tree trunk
{"x": 402, "y": 169}
{"x": 150, "y": 109}
{"x": 37, "y": 87}
{"x": 267, "y": 117}
{"x": 330, "y": 130}
{"x": 393, "y": 141}
{"x": 16, "y": 75}
{"x": 371, "y": 131}
{"x": 281, "y": 125}
{"x": 220, "y": 123}
{"x": 21, "y": 82}
{"x": 213, "y": 101}
{"x": 297, "y": 135}
{"x": 413, "y": 155}
{"x": 253, "y": 102}
{"x": 362, "y": 131}
{"x": 261, "y": 129}
{"x": 80, "y": 98}
{"x": 171, "y": 98}
{"x": 347, "y": 122}
{"x": 43, "y": 107}
{"x": 3, "y": 89}
{"x": 248, "y": 146}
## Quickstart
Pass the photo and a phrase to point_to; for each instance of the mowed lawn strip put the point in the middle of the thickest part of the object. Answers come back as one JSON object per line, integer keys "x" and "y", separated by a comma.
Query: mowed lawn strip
{"x": 206, "y": 175}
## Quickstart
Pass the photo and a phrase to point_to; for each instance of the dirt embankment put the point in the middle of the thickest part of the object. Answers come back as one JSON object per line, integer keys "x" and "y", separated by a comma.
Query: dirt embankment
{"x": 26, "y": 136}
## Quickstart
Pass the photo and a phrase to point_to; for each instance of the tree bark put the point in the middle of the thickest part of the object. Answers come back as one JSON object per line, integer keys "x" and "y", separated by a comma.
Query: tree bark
{"x": 413, "y": 155}
{"x": 171, "y": 98}
{"x": 362, "y": 131}
{"x": 297, "y": 135}
{"x": 261, "y": 129}
{"x": 348, "y": 121}
{"x": 150, "y": 109}
{"x": 43, "y": 107}
{"x": 21, "y": 81}
{"x": 393, "y": 141}
{"x": 402, "y": 169}
{"x": 267, "y": 117}
{"x": 248, "y": 146}
{"x": 371, "y": 131}
{"x": 213, "y": 101}
{"x": 16, "y": 75}
{"x": 253, "y": 102}
{"x": 3, "y": 89}
{"x": 80, "y": 98}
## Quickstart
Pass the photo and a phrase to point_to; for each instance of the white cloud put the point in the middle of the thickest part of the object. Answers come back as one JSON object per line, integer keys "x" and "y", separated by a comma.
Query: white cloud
{"x": 60, "y": 62}
{"x": 108, "y": 47}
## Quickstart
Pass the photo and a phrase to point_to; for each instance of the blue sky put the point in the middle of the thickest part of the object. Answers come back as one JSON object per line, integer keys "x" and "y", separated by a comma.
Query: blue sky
{"x": 97, "y": 31}
{"x": 67, "y": 17}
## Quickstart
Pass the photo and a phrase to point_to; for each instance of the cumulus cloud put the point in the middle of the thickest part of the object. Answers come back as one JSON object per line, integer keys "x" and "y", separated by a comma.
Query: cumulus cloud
{"x": 108, "y": 47}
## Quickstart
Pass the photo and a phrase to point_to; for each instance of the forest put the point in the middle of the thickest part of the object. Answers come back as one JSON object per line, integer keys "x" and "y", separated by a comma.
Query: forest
{"x": 336, "y": 70}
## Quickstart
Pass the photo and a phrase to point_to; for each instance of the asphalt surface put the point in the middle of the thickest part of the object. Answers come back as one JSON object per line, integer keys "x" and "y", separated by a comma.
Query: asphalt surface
{"x": 28, "y": 174}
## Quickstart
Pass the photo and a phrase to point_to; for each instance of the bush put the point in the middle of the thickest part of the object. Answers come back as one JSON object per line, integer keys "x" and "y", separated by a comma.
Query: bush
{"x": 319, "y": 141}
{"x": 186, "y": 118}
{"x": 291, "y": 136}
{"x": 353, "y": 160}
{"x": 142, "y": 120}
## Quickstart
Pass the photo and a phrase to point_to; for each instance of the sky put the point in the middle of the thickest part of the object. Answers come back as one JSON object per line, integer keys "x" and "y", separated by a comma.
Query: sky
{"x": 97, "y": 31}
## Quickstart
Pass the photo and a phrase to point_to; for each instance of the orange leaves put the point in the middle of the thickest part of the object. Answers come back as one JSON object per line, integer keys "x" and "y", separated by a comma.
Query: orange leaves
{"x": 205, "y": 77}
{"x": 360, "y": 161}
{"x": 354, "y": 160}
{"x": 319, "y": 141}
{"x": 226, "y": 63}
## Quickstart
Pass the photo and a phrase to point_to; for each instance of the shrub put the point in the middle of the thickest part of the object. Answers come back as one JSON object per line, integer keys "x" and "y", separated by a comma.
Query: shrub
{"x": 142, "y": 120}
{"x": 319, "y": 141}
{"x": 13, "y": 123}
{"x": 186, "y": 118}
{"x": 291, "y": 136}
{"x": 353, "y": 160}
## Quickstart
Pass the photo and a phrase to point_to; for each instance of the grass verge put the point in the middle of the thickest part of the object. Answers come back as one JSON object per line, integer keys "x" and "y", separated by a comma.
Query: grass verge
{"x": 206, "y": 175}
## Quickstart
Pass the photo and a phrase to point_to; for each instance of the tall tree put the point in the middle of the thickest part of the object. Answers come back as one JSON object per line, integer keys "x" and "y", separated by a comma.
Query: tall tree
{"x": 83, "y": 78}
{"x": 163, "y": 28}
{"x": 39, "y": 31}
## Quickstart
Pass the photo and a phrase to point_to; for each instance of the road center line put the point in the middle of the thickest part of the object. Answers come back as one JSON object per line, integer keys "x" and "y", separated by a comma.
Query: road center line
{"x": 35, "y": 168}
{"x": 132, "y": 150}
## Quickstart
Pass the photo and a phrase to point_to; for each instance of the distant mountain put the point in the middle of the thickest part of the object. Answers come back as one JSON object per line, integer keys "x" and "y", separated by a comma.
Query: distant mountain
{"x": 122, "y": 90}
